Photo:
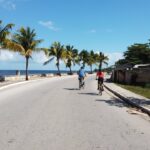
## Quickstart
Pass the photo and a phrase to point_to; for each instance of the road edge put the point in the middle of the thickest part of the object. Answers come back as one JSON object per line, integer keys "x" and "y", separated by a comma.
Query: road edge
{"x": 128, "y": 101}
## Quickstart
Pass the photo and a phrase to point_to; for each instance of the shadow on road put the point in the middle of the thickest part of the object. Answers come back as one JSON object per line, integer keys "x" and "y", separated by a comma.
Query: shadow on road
{"x": 139, "y": 101}
{"x": 92, "y": 94}
{"x": 71, "y": 89}
{"x": 114, "y": 102}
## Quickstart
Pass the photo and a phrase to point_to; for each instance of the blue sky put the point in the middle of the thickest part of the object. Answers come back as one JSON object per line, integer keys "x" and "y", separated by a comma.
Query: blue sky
{"x": 109, "y": 26}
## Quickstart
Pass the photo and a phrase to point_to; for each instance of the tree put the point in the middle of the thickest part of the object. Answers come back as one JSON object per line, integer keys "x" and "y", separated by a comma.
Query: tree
{"x": 83, "y": 56}
{"x": 71, "y": 57}
{"x": 4, "y": 32}
{"x": 102, "y": 59}
{"x": 91, "y": 59}
{"x": 138, "y": 54}
{"x": 56, "y": 51}
{"x": 25, "y": 42}
{"x": 121, "y": 62}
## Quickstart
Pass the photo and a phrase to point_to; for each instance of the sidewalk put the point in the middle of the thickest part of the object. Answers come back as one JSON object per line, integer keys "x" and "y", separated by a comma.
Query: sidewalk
{"x": 130, "y": 97}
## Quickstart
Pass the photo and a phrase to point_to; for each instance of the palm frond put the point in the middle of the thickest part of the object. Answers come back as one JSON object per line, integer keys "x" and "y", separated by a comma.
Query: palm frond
{"x": 28, "y": 53}
{"x": 105, "y": 62}
{"x": 6, "y": 28}
{"x": 12, "y": 46}
{"x": 48, "y": 61}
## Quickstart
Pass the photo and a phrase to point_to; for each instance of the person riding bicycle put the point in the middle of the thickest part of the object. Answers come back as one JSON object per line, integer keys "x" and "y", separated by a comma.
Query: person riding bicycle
{"x": 81, "y": 74}
{"x": 100, "y": 77}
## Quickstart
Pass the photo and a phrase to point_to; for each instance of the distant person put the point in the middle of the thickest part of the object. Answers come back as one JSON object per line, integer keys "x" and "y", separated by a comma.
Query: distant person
{"x": 17, "y": 72}
{"x": 81, "y": 73}
{"x": 81, "y": 76}
{"x": 100, "y": 77}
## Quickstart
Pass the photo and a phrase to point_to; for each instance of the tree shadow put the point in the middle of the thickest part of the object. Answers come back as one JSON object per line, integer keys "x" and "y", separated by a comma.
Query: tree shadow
{"x": 139, "y": 101}
{"x": 114, "y": 102}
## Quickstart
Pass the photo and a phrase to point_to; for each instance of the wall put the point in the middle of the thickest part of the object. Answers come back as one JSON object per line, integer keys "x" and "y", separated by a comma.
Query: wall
{"x": 135, "y": 76}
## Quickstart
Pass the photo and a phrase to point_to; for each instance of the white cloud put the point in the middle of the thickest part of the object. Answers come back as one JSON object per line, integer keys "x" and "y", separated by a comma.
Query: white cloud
{"x": 9, "y": 56}
{"x": 39, "y": 57}
{"x": 49, "y": 25}
{"x": 6, "y": 55}
{"x": 8, "y": 4}
{"x": 113, "y": 57}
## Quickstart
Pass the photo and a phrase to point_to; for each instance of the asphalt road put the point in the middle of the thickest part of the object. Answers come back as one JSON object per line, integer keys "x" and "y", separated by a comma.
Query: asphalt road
{"x": 52, "y": 114}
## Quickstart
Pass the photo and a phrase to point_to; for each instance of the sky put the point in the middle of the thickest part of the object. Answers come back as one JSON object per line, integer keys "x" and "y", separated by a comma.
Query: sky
{"x": 109, "y": 26}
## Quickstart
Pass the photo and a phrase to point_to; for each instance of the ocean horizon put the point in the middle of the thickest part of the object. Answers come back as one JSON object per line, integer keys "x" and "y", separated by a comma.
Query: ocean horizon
{"x": 30, "y": 72}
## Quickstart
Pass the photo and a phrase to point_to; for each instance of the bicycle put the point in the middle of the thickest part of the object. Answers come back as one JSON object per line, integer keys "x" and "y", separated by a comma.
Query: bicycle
{"x": 100, "y": 87}
{"x": 81, "y": 83}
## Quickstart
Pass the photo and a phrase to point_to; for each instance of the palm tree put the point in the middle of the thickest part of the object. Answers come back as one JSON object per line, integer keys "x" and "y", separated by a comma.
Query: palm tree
{"x": 56, "y": 51}
{"x": 25, "y": 42}
{"x": 4, "y": 32}
{"x": 101, "y": 58}
{"x": 92, "y": 59}
{"x": 71, "y": 57}
{"x": 84, "y": 57}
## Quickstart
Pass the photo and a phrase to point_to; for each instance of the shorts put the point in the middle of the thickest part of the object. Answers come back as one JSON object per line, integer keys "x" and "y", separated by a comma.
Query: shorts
{"x": 100, "y": 80}
{"x": 81, "y": 78}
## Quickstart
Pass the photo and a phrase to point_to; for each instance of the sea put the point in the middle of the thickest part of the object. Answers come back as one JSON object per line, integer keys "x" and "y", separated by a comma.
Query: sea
{"x": 30, "y": 72}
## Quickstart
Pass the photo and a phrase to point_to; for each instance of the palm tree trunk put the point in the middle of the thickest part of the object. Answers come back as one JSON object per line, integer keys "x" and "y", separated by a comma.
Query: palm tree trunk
{"x": 83, "y": 65}
{"x": 101, "y": 61}
{"x": 58, "y": 67}
{"x": 70, "y": 70}
{"x": 27, "y": 63}
{"x": 91, "y": 68}
{"x": 100, "y": 65}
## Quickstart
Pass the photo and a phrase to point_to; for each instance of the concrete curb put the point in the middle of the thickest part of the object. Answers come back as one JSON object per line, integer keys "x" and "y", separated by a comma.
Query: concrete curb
{"x": 128, "y": 101}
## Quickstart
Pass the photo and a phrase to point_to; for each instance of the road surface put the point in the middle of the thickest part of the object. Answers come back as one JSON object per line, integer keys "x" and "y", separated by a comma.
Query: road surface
{"x": 52, "y": 114}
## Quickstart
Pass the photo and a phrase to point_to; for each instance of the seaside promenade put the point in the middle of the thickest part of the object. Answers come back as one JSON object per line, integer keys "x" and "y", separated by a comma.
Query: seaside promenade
{"x": 9, "y": 80}
{"x": 53, "y": 114}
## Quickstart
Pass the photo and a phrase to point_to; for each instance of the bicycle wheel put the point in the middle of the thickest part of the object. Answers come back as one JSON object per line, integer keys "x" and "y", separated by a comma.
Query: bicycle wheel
{"x": 79, "y": 84}
{"x": 100, "y": 88}
{"x": 100, "y": 91}
{"x": 83, "y": 84}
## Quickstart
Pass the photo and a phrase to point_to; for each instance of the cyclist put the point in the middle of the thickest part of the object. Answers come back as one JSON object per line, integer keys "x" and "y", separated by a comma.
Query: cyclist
{"x": 100, "y": 77}
{"x": 81, "y": 75}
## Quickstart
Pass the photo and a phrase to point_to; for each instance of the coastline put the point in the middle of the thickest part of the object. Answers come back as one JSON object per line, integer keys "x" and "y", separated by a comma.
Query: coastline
{"x": 21, "y": 78}
{"x": 31, "y": 72}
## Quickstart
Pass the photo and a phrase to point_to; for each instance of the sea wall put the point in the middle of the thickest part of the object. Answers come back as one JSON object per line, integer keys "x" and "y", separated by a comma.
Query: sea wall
{"x": 22, "y": 77}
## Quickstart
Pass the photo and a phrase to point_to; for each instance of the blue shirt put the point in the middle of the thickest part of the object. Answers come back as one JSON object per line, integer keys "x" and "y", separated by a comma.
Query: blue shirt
{"x": 81, "y": 73}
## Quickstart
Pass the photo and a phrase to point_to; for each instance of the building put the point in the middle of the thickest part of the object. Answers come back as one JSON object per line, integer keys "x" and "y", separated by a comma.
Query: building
{"x": 128, "y": 74}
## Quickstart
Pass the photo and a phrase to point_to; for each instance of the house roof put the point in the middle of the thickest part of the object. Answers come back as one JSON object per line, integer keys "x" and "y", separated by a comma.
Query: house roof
{"x": 142, "y": 66}
{"x": 123, "y": 67}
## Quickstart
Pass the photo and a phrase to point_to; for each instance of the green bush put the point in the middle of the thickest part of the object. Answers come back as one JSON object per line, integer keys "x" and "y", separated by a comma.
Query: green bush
{"x": 147, "y": 85}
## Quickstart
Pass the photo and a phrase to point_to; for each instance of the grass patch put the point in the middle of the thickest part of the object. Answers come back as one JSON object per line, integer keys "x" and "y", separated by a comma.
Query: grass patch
{"x": 144, "y": 91}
